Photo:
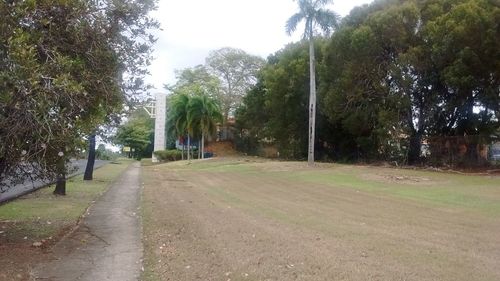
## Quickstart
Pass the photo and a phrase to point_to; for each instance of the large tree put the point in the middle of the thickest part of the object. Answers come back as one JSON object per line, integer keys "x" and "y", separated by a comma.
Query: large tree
{"x": 197, "y": 79}
{"x": 65, "y": 67}
{"x": 313, "y": 13}
{"x": 237, "y": 72}
{"x": 396, "y": 72}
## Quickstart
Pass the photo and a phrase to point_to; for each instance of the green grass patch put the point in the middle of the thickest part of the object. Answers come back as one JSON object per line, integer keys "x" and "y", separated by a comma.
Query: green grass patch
{"x": 478, "y": 193}
{"x": 150, "y": 259}
{"x": 147, "y": 162}
{"x": 41, "y": 214}
{"x": 475, "y": 193}
{"x": 235, "y": 166}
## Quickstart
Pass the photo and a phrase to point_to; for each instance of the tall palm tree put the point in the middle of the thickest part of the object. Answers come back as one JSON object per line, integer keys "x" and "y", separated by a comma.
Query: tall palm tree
{"x": 203, "y": 114}
{"x": 315, "y": 15}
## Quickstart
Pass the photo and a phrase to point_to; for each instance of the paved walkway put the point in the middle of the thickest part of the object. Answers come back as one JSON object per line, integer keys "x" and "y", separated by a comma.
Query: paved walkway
{"x": 107, "y": 245}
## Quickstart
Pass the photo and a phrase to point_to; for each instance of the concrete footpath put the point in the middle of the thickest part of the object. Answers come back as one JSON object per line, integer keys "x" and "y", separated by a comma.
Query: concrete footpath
{"x": 107, "y": 244}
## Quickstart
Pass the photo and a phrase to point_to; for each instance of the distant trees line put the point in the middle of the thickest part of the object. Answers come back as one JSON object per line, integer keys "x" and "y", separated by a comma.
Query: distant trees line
{"x": 395, "y": 73}
{"x": 393, "y": 76}
{"x": 203, "y": 97}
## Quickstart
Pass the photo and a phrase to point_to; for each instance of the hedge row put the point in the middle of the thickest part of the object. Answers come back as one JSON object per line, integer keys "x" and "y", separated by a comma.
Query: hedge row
{"x": 168, "y": 155}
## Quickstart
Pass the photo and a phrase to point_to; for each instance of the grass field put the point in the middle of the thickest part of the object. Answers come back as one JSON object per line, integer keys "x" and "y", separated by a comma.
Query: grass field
{"x": 43, "y": 216}
{"x": 250, "y": 219}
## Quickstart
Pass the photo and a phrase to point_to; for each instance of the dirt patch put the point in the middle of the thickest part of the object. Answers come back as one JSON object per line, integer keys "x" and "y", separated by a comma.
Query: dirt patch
{"x": 222, "y": 149}
{"x": 19, "y": 253}
{"x": 240, "y": 225}
{"x": 402, "y": 179}
{"x": 16, "y": 266}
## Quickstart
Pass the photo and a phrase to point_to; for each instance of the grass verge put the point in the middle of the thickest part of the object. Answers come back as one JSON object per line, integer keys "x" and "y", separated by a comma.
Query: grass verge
{"x": 43, "y": 217}
{"x": 41, "y": 214}
{"x": 148, "y": 227}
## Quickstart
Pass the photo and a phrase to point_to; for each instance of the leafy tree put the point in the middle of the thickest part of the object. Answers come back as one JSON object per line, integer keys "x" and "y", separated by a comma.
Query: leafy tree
{"x": 286, "y": 84}
{"x": 394, "y": 72}
{"x": 137, "y": 133}
{"x": 364, "y": 90}
{"x": 466, "y": 50}
{"x": 314, "y": 15}
{"x": 251, "y": 119}
{"x": 66, "y": 66}
{"x": 276, "y": 108}
{"x": 197, "y": 80}
{"x": 388, "y": 74}
{"x": 236, "y": 71}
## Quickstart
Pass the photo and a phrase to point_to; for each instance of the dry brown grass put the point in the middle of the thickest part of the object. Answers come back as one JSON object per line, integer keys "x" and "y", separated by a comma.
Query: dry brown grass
{"x": 250, "y": 219}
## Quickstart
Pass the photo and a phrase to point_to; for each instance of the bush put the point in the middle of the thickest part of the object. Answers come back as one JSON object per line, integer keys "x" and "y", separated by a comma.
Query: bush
{"x": 168, "y": 155}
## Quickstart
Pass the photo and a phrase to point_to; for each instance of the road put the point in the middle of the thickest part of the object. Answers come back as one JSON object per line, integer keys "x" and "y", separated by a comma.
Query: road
{"x": 29, "y": 186}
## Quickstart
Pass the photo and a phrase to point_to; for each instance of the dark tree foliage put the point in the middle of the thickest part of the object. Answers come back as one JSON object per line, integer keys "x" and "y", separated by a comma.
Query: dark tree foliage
{"x": 66, "y": 67}
{"x": 137, "y": 134}
{"x": 395, "y": 74}
{"x": 416, "y": 69}
{"x": 277, "y": 108}
{"x": 251, "y": 119}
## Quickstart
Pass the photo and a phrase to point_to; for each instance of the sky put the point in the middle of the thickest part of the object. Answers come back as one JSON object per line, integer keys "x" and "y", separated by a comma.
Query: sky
{"x": 190, "y": 29}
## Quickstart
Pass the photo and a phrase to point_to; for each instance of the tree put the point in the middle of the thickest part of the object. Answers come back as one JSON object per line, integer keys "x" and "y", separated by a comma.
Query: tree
{"x": 466, "y": 51}
{"x": 179, "y": 118}
{"x": 367, "y": 87}
{"x": 314, "y": 15}
{"x": 275, "y": 110}
{"x": 390, "y": 77}
{"x": 236, "y": 71}
{"x": 197, "y": 80}
{"x": 203, "y": 114}
{"x": 286, "y": 84}
{"x": 137, "y": 133}
{"x": 251, "y": 119}
{"x": 66, "y": 66}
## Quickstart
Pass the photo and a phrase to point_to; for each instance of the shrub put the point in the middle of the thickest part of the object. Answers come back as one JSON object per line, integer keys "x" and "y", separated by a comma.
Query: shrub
{"x": 168, "y": 155}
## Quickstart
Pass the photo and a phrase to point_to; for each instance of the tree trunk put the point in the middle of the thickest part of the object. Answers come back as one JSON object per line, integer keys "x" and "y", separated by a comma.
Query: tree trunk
{"x": 183, "y": 149}
{"x": 61, "y": 177}
{"x": 472, "y": 158}
{"x": 89, "y": 169}
{"x": 415, "y": 148}
{"x": 202, "y": 145}
{"x": 199, "y": 150}
{"x": 189, "y": 149}
{"x": 312, "y": 102}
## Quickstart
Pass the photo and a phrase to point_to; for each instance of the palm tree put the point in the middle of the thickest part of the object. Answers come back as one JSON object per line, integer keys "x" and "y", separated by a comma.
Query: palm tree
{"x": 178, "y": 117}
{"x": 203, "y": 113}
{"x": 315, "y": 15}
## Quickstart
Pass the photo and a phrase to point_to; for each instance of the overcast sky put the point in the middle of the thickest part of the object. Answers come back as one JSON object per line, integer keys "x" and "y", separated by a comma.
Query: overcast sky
{"x": 192, "y": 28}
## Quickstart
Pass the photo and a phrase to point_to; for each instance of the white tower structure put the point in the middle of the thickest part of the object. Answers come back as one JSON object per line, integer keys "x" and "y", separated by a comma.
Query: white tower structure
{"x": 158, "y": 111}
